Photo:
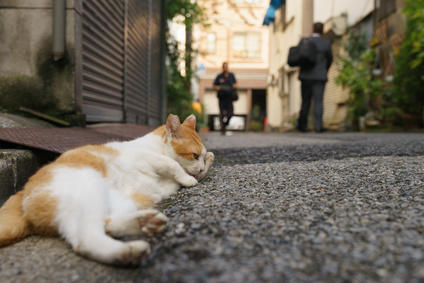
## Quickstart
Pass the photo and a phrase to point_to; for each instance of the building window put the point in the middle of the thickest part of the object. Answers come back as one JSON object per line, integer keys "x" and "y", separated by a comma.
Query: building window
{"x": 211, "y": 43}
{"x": 246, "y": 45}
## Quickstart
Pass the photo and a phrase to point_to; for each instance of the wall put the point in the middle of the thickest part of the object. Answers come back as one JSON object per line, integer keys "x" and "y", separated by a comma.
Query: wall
{"x": 26, "y": 49}
{"x": 292, "y": 21}
{"x": 25, "y": 32}
{"x": 355, "y": 10}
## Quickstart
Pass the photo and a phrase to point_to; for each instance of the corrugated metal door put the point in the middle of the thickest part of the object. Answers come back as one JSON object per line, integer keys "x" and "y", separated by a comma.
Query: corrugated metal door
{"x": 137, "y": 83}
{"x": 155, "y": 65}
{"x": 120, "y": 40}
{"x": 103, "y": 25}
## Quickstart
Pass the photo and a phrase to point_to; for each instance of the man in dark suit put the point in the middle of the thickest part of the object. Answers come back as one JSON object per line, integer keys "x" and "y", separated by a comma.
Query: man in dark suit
{"x": 224, "y": 84}
{"x": 313, "y": 80}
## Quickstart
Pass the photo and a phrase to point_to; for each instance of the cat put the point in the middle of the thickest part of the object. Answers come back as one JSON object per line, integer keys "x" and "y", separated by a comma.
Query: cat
{"x": 93, "y": 195}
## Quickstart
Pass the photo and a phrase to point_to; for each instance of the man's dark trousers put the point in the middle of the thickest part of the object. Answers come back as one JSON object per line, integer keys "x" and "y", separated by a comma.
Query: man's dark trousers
{"x": 225, "y": 112}
{"x": 312, "y": 89}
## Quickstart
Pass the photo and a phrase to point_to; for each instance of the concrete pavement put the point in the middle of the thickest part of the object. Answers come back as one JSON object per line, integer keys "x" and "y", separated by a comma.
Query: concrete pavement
{"x": 275, "y": 208}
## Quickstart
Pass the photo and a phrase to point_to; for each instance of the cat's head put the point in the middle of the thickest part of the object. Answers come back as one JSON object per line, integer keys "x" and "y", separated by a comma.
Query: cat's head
{"x": 185, "y": 144}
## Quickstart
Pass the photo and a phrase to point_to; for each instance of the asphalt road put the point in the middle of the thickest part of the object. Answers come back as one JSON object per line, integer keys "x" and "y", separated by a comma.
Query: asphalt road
{"x": 275, "y": 208}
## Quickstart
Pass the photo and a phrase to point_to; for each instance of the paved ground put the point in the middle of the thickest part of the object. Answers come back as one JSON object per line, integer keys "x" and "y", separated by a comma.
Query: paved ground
{"x": 275, "y": 208}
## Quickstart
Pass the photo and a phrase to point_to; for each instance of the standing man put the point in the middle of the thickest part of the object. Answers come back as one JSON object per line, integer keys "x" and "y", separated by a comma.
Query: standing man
{"x": 225, "y": 84}
{"x": 313, "y": 79}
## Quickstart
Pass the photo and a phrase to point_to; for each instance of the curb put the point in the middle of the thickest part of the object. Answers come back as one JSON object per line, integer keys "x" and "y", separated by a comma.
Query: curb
{"x": 16, "y": 166}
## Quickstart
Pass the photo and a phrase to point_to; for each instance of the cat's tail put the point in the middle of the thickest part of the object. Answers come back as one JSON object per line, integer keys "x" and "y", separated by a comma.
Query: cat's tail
{"x": 13, "y": 225}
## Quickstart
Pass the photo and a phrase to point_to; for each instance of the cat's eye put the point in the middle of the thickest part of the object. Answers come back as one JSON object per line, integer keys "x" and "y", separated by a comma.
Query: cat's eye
{"x": 195, "y": 156}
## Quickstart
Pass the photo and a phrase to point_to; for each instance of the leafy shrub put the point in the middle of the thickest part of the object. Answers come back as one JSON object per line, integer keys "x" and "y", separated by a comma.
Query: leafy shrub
{"x": 356, "y": 75}
{"x": 179, "y": 97}
{"x": 409, "y": 65}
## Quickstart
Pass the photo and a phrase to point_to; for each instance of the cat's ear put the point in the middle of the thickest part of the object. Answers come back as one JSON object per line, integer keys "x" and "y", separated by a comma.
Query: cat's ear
{"x": 172, "y": 125}
{"x": 190, "y": 122}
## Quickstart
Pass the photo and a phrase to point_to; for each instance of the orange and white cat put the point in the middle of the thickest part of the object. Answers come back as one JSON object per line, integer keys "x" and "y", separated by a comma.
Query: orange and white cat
{"x": 94, "y": 194}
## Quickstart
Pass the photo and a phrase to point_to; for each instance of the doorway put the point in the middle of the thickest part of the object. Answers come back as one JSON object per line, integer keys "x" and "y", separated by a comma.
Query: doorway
{"x": 258, "y": 110}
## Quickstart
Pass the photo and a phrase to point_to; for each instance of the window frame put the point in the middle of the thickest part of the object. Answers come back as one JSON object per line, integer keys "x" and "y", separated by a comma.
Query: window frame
{"x": 232, "y": 51}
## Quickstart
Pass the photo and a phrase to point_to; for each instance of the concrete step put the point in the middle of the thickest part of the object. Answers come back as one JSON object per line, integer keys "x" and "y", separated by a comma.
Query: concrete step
{"x": 16, "y": 166}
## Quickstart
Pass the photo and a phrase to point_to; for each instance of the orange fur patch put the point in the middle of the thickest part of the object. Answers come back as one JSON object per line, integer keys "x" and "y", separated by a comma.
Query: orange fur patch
{"x": 13, "y": 225}
{"x": 80, "y": 159}
{"x": 40, "y": 212}
{"x": 100, "y": 148}
{"x": 187, "y": 143}
{"x": 160, "y": 131}
{"x": 142, "y": 201}
{"x": 41, "y": 177}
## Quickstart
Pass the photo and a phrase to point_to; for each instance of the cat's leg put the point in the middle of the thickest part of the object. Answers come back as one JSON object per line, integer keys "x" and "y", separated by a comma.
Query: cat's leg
{"x": 96, "y": 245}
{"x": 133, "y": 215}
{"x": 166, "y": 166}
{"x": 209, "y": 158}
{"x": 140, "y": 223}
{"x": 82, "y": 209}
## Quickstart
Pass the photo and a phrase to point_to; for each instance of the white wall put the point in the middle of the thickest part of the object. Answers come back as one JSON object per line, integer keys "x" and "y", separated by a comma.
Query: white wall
{"x": 355, "y": 9}
{"x": 279, "y": 109}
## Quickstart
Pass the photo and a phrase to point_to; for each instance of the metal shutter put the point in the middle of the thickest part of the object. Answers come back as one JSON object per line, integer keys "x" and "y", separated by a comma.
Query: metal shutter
{"x": 120, "y": 40}
{"x": 155, "y": 63}
{"x": 103, "y": 60}
{"x": 137, "y": 77}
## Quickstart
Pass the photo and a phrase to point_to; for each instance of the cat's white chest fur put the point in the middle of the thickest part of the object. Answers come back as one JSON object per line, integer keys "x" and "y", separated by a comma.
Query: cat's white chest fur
{"x": 135, "y": 169}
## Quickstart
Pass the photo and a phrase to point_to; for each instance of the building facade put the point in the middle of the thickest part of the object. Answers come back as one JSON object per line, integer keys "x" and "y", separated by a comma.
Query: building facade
{"x": 292, "y": 20}
{"x": 106, "y": 57}
{"x": 236, "y": 36}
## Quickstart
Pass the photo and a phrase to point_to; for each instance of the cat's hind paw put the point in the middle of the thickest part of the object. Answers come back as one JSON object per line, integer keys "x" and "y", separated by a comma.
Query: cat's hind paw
{"x": 151, "y": 221}
{"x": 133, "y": 252}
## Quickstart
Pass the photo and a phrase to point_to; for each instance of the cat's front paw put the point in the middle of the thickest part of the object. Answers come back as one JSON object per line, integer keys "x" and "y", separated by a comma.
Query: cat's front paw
{"x": 189, "y": 181}
{"x": 209, "y": 158}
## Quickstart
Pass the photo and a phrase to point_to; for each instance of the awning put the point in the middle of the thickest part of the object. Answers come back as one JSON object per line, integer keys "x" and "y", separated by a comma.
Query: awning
{"x": 270, "y": 13}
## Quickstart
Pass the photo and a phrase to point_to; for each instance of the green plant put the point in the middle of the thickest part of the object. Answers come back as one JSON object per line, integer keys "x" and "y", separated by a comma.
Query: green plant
{"x": 178, "y": 84}
{"x": 356, "y": 74}
{"x": 414, "y": 12}
{"x": 255, "y": 120}
{"x": 409, "y": 64}
{"x": 179, "y": 97}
